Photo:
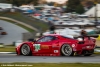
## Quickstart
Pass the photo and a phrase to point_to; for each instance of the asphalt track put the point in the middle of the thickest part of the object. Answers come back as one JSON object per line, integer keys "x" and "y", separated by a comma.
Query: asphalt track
{"x": 10, "y": 58}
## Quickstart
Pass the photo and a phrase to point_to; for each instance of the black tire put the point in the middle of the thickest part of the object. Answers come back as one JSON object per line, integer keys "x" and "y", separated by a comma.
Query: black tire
{"x": 66, "y": 50}
{"x": 25, "y": 50}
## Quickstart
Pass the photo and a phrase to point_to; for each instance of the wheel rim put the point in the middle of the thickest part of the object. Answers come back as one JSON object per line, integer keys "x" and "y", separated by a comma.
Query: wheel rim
{"x": 25, "y": 49}
{"x": 67, "y": 50}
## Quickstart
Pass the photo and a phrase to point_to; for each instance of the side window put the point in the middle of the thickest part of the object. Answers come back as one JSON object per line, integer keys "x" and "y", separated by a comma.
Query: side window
{"x": 46, "y": 39}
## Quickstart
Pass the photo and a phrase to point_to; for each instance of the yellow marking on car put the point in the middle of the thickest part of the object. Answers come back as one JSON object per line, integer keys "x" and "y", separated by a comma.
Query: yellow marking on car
{"x": 44, "y": 47}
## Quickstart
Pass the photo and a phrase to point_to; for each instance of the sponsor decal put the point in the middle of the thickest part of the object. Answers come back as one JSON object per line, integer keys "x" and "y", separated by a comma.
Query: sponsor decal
{"x": 32, "y": 42}
{"x": 55, "y": 51}
{"x": 37, "y": 47}
{"x": 44, "y": 47}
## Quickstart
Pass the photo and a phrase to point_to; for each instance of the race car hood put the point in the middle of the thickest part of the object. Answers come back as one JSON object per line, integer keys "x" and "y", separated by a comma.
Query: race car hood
{"x": 19, "y": 44}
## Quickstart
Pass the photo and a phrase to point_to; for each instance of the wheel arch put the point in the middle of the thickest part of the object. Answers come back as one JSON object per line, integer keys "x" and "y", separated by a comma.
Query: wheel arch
{"x": 69, "y": 45}
{"x": 29, "y": 44}
{"x": 65, "y": 43}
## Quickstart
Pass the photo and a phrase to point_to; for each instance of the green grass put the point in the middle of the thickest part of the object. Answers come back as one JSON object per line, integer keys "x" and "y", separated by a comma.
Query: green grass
{"x": 5, "y": 49}
{"x": 50, "y": 64}
{"x": 9, "y": 48}
{"x": 20, "y": 17}
{"x": 28, "y": 29}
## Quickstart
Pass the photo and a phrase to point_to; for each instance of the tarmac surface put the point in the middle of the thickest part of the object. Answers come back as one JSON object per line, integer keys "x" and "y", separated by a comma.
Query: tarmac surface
{"x": 14, "y": 32}
{"x": 10, "y": 58}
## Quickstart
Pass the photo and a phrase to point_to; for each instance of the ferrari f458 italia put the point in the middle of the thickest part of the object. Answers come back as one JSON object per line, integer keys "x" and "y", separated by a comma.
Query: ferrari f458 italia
{"x": 57, "y": 45}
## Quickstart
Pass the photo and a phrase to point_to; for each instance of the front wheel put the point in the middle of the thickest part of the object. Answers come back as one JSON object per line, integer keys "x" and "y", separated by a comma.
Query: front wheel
{"x": 25, "y": 50}
{"x": 66, "y": 50}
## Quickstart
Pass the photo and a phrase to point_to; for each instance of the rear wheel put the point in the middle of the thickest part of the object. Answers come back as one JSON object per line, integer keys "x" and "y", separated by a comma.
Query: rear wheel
{"x": 25, "y": 50}
{"x": 66, "y": 50}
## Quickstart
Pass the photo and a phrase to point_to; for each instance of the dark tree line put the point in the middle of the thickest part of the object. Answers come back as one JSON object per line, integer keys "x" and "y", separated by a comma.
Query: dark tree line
{"x": 75, "y": 6}
{"x": 20, "y": 2}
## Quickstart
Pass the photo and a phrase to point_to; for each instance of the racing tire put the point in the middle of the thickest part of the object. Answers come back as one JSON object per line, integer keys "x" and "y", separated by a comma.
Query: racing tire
{"x": 66, "y": 50}
{"x": 25, "y": 50}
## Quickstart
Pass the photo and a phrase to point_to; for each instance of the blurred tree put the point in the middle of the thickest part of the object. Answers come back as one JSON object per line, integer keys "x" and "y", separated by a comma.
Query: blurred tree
{"x": 72, "y": 5}
{"x": 80, "y": 9}
{"x": 89, "y": 4}
{"x": 2, "y": 1}
{"x": 51, "y": 3}
{"x": 35, "y": 2}
{"x": 21, "y": 2}
{"x": 42, "y": 2}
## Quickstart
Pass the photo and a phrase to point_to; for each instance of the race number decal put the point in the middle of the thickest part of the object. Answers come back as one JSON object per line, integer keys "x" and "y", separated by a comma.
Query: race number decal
{"x": 37, "y": 47}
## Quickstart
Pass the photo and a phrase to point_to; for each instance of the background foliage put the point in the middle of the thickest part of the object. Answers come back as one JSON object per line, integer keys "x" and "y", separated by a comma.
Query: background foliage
{"x": 20, "y": 2}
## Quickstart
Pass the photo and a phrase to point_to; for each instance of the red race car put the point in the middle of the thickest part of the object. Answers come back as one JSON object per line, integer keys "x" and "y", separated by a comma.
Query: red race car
{"x": 57, "y": 45}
